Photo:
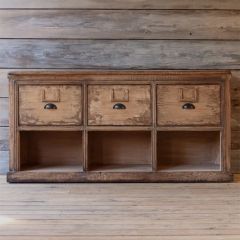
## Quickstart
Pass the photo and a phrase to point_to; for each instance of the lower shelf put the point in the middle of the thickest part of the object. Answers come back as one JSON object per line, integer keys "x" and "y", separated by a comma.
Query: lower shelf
{"x": 122, "y": 168}
{"x": 189, "y": 168}
{"x": 54, "y": 168}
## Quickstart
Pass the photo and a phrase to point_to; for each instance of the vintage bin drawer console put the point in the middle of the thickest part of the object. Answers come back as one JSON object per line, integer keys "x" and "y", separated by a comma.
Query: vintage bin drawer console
{"x": 120, "y": 126}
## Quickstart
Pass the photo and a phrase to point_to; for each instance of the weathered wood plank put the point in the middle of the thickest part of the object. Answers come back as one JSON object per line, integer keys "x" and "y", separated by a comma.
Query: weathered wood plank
{"x": 4, "y": 138}
{"x": 4, "y": 156}
{"x": 4, "y": 112}
{"x": 120, "y": 54}
{"x": 3, "y": 83}
{"x": 207, "y": 237}
{"x": 157, "y": 211}
{"x": 117, "y": 24}
{"x": 123, "y": 4}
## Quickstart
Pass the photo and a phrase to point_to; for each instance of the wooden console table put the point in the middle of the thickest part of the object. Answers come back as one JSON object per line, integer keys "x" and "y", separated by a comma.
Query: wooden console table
{"x": 120, "y": 126}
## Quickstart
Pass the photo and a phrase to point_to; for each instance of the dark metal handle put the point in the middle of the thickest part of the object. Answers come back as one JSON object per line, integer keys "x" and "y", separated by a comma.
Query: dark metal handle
{"x": 50, "y": 106}
{"x": 188, "y": 106}
{"x": 119, "y": 106}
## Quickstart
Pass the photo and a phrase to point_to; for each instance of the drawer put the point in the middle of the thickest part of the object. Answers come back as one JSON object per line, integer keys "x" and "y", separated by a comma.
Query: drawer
{"x": 188, "y": 104}
{"x": 50, "y": 105}
{"x": 119, "y": 105}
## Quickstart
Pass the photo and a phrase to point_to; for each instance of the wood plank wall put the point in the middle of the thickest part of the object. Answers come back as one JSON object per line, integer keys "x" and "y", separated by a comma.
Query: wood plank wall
{"x": 113, "y": 34}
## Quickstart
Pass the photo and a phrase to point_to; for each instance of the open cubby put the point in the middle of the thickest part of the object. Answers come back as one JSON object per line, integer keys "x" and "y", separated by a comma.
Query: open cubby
{"x": 119, "y": 151}
{"x": 51, "y": 151}
{"x": 188, "y": 151}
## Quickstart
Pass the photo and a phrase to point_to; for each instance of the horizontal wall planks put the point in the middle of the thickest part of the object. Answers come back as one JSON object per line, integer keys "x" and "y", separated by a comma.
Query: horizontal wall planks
{"x": 4, "y": 138}
{"x": 4, "y": 156}
{"x": 120, "y": 54}
{"x": 117, "y": 24}
{"x": 4, "y": 112}
{"x": 122, "y": 4}
{"x": 4, "y": 153}
{"x": 3, "y": 83}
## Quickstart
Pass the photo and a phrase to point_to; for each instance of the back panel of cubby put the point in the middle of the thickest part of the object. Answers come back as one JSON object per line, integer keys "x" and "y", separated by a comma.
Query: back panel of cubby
{"x": 119, "y": 147}
{"x": 50, "y": 148}
{"x": 188, "y": 148}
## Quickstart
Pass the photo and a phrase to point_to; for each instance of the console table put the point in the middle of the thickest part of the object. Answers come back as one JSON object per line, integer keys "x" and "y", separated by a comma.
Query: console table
{"x": 120, "y": 126}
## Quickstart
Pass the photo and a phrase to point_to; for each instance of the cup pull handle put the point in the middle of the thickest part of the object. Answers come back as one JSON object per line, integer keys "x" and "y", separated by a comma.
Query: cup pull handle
{"x": 188, "y": 106}
{"x": 119, "y": 106}
{"x": 50, "y": 106}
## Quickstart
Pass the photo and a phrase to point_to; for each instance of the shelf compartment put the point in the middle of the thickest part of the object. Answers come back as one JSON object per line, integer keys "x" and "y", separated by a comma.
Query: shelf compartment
{"x": 51, "y": 151}
{"x": 119, "y": 151}
{"x": 188, "y": 151}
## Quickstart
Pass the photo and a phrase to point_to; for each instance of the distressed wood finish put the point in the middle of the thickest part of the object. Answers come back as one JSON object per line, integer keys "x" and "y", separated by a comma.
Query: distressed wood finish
{"x": 4, "y": 162}
{"x": 136, "y": 99}
{"x": 118, "y": 24}
{"x": 128, "y": 152}
{"x": 4, "y": 135}
{"x": 120, "y": 54}
{"x": 206, "y": 99}
{"x": 124, "y": 4}
{"x": 67, "y": 99}
{"x": 4, "y": 112}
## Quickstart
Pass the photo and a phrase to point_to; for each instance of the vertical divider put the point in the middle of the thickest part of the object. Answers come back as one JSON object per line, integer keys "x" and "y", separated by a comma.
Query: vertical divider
{"x": 226, "y": 132}
{"x": 14, "y": 163}
{"x": 154, "y": 130}
{"x": 85, "y": 133}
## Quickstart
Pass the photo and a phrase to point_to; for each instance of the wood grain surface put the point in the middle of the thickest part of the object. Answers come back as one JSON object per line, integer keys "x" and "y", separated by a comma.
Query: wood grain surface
{"x": 136, "y": 99}
{"x": 120, "y": 211}
{"x": 206, "y": 101}
{"x": 119, "y": 54}
{"x": 68, "y": 103}
{"x": 118, "y": 24}
{"x": 123, "y": 4}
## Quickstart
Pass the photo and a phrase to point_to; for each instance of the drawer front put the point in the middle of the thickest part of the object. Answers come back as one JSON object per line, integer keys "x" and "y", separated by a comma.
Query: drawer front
{"x": 188, "y": 104}
{"x": 119, "y": 105}
{"x": 50, "y": 105}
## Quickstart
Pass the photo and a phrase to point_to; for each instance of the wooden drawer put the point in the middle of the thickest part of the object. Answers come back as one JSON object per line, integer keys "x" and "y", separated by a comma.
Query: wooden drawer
{"x": 119, "y": 105}
{"x": 188, "y": 104}
{"x": 50, "y": 105}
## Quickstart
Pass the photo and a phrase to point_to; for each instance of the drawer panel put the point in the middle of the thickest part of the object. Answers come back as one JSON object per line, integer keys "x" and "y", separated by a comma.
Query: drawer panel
{"x": 119, "y": 105}
{"x": 50, "y": 105}
{"x": 188, "y": 104}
